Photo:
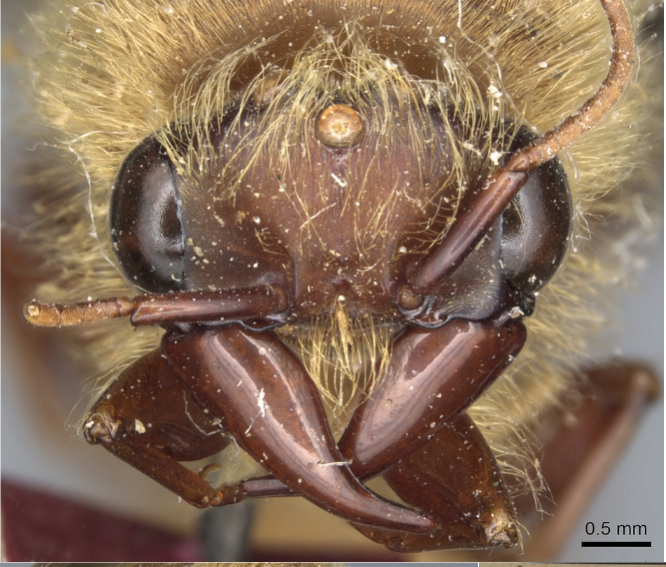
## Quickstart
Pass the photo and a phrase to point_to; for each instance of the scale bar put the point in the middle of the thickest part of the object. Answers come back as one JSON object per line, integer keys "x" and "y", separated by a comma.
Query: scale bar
{"x": 616, "y": 544}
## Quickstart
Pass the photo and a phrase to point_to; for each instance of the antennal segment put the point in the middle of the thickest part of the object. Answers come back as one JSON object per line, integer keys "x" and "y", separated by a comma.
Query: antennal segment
{"x": 71, "y": 315}
{"x": 505, "y": 182}
{"x": 224, "y": 306}
{"x": 591, "y": 113}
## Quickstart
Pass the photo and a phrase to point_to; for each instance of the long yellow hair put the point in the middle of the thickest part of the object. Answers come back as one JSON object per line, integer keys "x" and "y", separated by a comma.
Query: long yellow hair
{"x": 116, "y": 72}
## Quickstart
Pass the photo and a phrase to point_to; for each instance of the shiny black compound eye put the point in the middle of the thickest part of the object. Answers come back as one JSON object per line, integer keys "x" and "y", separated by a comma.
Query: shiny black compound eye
{"x": 536, "y": 226}
{"x": 144, "y": 218}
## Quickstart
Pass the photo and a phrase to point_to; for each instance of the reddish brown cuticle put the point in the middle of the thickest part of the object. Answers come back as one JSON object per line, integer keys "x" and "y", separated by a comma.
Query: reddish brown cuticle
{"x": 339, "y": 126}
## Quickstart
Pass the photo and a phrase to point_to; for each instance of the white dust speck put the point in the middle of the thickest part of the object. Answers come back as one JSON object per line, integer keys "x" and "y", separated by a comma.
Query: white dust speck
{"x": 339, "y": 181}
{"x": 261, "y": 402}
{"x": 494, "y": 92}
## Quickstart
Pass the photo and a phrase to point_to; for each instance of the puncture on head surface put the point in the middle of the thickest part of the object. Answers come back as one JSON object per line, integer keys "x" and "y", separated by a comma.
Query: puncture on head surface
{"x": 245, "y": 275}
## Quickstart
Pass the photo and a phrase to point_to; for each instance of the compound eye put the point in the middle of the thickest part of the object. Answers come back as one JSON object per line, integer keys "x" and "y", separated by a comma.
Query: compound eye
{"x": 146, "y": 229}
{"x": 537, "y": 225}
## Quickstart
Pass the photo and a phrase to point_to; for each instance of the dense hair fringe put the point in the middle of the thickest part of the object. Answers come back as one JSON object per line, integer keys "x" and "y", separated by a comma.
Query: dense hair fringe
{"x": 116, "y": 72}
{"x": 345, "y": 357}
{"x": 333, "y": 67}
